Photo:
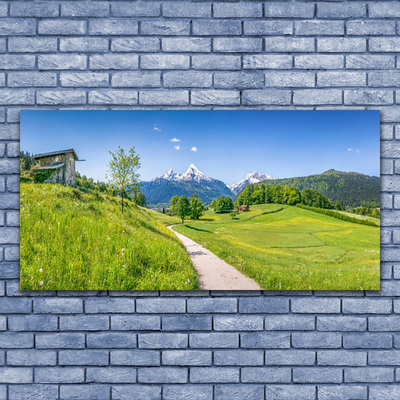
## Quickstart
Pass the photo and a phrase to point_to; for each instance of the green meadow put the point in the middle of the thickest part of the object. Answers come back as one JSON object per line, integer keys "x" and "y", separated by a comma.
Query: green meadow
{"x": 76, "y": 241}
{"x": 288, "y": 248}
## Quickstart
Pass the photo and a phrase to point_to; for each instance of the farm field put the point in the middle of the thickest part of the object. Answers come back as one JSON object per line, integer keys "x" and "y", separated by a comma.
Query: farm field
{"x": 76, "y": 241}
{"x": 292, "y": 249}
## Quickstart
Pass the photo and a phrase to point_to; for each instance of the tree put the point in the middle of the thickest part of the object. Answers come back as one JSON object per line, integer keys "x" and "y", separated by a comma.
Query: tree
{"x": 123, "y": 170}
{"x": 213, "y": 203}
{"x": 224, "y": 205}
{"x": 139, "y": 198}
{"x": 181, "y": 207}
{"x": 196, "y": 207}
{"x": 173, "y": 201}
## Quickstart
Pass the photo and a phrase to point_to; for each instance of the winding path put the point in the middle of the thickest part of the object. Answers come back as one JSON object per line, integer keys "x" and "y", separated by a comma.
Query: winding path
{"x": 214, "y": 273}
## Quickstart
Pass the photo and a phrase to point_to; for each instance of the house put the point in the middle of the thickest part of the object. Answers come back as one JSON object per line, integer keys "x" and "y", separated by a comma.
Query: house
{"x": 244, "y": 207}
{"x": 61, "y": 164}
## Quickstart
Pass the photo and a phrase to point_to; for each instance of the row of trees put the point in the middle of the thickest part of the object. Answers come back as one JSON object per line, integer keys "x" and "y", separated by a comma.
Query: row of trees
{"x": 223, "y": 204}
{"x": 184, "y": 207}
{"x": 263, "y": 194}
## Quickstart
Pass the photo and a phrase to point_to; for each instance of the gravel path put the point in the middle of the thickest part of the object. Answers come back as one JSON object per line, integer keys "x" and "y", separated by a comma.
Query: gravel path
{"x": 214, "y": 273}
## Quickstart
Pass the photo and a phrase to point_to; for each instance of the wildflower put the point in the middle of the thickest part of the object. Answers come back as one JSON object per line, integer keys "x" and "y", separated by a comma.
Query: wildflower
{"x": 41, "y": 270}
{"x": 41, "y": 282}
{"x": 108, "y": 238}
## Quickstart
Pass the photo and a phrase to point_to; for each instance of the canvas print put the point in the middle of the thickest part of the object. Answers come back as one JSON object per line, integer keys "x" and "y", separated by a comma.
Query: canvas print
{"x": 200, "y": 200}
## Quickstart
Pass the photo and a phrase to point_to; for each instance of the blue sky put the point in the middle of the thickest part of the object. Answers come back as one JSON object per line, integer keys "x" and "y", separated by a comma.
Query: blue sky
{"x": 225, "y": 145}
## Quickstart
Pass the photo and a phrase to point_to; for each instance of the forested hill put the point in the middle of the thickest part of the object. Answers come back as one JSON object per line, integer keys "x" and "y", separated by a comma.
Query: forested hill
{"x": 351, "y": 188}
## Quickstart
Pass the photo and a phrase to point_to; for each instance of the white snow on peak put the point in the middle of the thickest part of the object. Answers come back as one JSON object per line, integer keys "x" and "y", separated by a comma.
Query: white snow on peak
{"x": 192, "y": 173}
{"x": 250, "y": 178}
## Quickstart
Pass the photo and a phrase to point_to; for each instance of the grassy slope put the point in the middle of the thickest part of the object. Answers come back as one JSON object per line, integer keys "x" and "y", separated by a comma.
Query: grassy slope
{"x": 83, "y": 242}
{"x": 293, "y": 249}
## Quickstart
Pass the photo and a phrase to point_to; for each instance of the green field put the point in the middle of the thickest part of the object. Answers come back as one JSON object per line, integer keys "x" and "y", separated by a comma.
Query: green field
{"x": 292, "y": 249}
{"x": 76, "y": 241}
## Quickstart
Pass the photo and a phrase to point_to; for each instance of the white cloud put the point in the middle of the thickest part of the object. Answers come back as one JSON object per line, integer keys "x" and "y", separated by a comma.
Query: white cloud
{"x": 349, "y": 149}
{"x": 193, "y": 149}
{"x": 175, "y": 140}
{"x": 177, "y": 147}
{"x": 357, "y": 151}
{"x": 156, "y": 128}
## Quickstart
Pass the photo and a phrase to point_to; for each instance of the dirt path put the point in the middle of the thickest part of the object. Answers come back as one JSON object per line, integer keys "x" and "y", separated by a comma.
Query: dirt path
{"x": 214, "y": 273}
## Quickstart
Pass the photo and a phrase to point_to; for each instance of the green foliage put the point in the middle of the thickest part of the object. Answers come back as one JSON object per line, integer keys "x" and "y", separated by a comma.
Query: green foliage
{"x": 122, "y": 171}
{"x": 71, "y": 240}
{"x": 196, "y": 207}
{"x": 42, "y": 175}
{"x": 224, "y": 204}
{"x": 26, "y": 161}
{"x": 290, "y": 248}
{"x": 139, "y": 198}
{"x": 339, "y": 215}
{"x": 180, "y": 206}
{"x": 312, "y": 198}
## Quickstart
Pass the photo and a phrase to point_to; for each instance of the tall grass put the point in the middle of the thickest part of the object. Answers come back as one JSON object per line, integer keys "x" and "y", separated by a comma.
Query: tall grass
{"x": 76, "y": 241}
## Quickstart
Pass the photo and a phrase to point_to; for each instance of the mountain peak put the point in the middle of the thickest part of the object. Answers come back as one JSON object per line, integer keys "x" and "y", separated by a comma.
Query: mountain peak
{"x": 192, "y": 173}
{"x": 250, "y": 178}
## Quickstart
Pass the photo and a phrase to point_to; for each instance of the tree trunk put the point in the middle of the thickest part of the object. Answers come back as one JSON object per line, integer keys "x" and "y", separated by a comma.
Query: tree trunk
{"x": 122, "y": 203}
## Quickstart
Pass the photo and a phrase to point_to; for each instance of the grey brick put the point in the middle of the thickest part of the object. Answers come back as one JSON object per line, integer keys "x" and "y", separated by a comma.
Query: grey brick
{"x": 163, "y": 340}
{"x": 85, "y": 9}
{"x": 61, "y": 61}
{"x": 215, "y": 97}
{"x": 193, "y": 45}
{"x": 59, "y": 375}
{"x": 214, "y": 375}
{"x": 165, "y": 28}
{"x": 342, "y": 78}
{"x": 238, "y": 357}
{"x": 214, "y": 340}
{"x": 368, "y": 97}
{"x": 317, "y": 375}
{"x": 7, "y": 166}
{"x": 316, "y": 27}
{"x": 187, "y": 323}
{"x": 98, "y": 392}
{"x": 239, "y": 392}
{"x": 186, "y": 357}
{"x": 265, "y": 96}
{"x": 31, "y": 357}
{"x": 290, "y": 357}
{"x": 239, "y": 10}
{"x": 386, "y": 323}
{"x": 263, "y": 305}
{"x": 83, "y": 357}
{"x": 289, "y": 79}
{"x": 288, "y": 10}
{"x": 109, "y": 96}
{"x": 289, "y": 323}
{"x": 381, "y": 45}
{"x": 17, "y": 61}
{"x": 319, "y": 61}
{"x": 260, "y": 340}
{"x": 61, "y": 27}
{"x": 135, "y": 357}
{"x": 212, "y": 305}
{"x": 241, "y": 323}
{"x": 217, "y": 62}
{"x": 384, "y": 357}
{"x": 342, "y": 358}
{"x": 32, "y": 323}
{"x": 114, "y": 61}
{"x": 177, "y": 97}
{"x": 135, "y": 322}
{"x": 83, "y": 79}
{"x": 84, "y": 322}
{"x": 87, "y": 45}
{"x": 341, "y": 323}
{"x": 135, "y": 9}
{"x": 164, "y": 61}
{"x": 384, "y": 78}
{"x": 64, "y": 97}
{"x": 112, "y": 26}
{"x": 17, "y": 26}
{"x": 366, "y": 306}
{"x": 34, "y": 79}
{"x": 109, "y": 306}
{"x": 163, "y": 375}
{"x": 186, "y": 79}
{"x": 341, "y": 45}
{"x": 179, "y": 392}
{"x": 267, "y": 375}
{"x": 325, "y": 306}
{"x": 382, "y": 10}
{"x": 269, "y": 27}
{"x": 16, "y": 340}
{"x": 15, "y": 306}
{"x": 111, "y": 340}
{"x": 111, "y": 375}
{"x": 30, "y": 392}
{"x": 341, "y": 11}
{"x": 367, "y": 341}
{"x": 136, "y": 392}
{"x": 369, "y": 375}
{"x": 237, "y": 45}
{"x": 181, "y": 9}
{"x": 369, "y": 61}
{"x": 34, "y": 9}
{"x": 60, "y": 340}
{"x": 135, "y": 44}
{"x": 288, "y": 44}
{"x": 136, "y": 79}
{"x": 312, "y": 97}
{"x": 57, "y": 306}
{"x": 365, "y": 27}
{"x": 217, "y": 27}
{"x": 290, "y": 392}
{"x": 16, "y": 375}
{"x": 346, "y": 392}
{"x": 12, "y": 216}
{"x": 319, "y": 340}
{"x": 32, "y": 45}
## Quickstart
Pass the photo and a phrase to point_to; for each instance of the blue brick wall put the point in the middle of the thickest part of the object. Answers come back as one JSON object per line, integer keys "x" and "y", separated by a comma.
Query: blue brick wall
{"x": 199, "y": 54}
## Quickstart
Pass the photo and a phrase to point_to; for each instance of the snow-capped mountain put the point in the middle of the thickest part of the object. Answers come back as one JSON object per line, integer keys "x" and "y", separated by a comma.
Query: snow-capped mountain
{"x": 160, "y": 189}
{"x": 251, "y": 178}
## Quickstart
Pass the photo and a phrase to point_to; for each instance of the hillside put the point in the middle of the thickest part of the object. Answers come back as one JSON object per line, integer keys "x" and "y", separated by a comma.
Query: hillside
{"x": 351, "y": 188}
{"x": 76, "y": 241}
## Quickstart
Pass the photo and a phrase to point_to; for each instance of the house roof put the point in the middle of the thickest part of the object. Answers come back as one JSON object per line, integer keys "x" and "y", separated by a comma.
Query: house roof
{"x": 55, "y": 153}
{"x": 50, "y": 166}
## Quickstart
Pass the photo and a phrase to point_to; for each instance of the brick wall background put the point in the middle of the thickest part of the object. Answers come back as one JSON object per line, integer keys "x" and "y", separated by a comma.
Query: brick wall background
{"x": 199, "y": 345}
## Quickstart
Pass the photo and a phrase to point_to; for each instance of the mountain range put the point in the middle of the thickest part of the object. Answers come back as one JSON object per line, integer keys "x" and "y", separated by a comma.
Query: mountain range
{"x": 350, "y": 188}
